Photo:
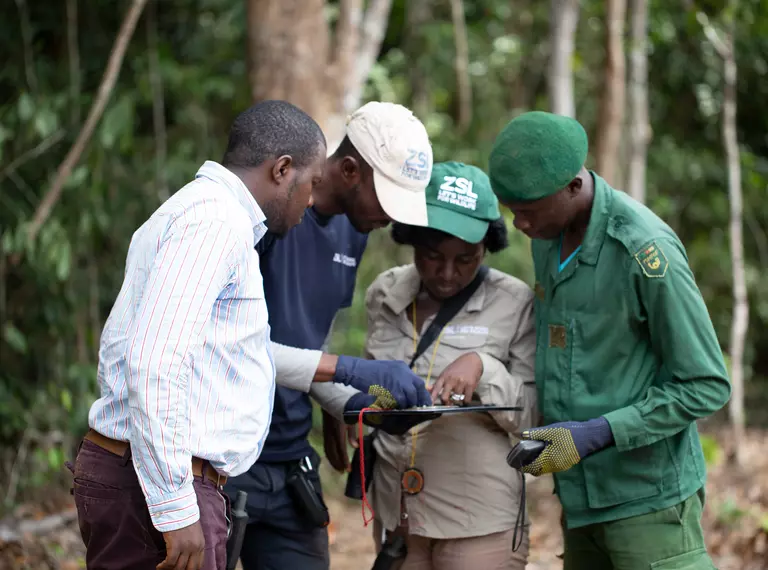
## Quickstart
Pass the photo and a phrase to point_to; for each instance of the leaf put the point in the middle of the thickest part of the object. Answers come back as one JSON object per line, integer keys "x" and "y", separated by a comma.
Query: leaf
{"x": 55, "y": 458}
{"x": 117, "y": 120}
{"x": 7, "y": 243}
{"x": 5, "y": 134}
{"x": 46, "y": 122}
{"x": 66, "y": 400}
{"x": 15, "y": 338}
{"x": 26, "y": 107}
{"x": 713, "y": 453}
{"x": 764, "y": 522}
{"x": 77, "y": 178}
{"x": 63, "y": 260}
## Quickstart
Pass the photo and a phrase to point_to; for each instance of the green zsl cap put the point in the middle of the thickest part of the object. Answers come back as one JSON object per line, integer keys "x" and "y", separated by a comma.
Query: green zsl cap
{"x": 460, "y": 201}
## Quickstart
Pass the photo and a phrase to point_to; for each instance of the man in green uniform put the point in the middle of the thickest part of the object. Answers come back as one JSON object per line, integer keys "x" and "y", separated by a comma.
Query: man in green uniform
{"x": 627, "y": 358}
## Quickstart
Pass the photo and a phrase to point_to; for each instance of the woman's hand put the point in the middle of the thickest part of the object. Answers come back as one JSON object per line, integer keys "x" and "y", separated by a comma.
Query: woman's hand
{"x": 460, "y": 378}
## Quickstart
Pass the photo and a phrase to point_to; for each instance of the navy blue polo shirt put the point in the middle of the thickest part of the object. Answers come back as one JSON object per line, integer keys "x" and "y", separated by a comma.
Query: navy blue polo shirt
{"x": 308, "y": 276}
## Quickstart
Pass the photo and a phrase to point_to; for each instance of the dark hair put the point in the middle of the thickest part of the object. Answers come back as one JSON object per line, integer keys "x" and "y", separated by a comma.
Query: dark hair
{"x": 270, "y": 129}
{"x": 495, "y": 240}
{"x": 346, "y": 148}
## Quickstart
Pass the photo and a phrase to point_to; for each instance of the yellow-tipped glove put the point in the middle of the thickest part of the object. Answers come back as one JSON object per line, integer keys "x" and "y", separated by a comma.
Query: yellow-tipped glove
{"x": 567, "y": 443}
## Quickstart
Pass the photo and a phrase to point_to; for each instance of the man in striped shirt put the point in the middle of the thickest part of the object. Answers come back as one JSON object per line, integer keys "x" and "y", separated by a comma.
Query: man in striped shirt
{"x": 186, "y": 366}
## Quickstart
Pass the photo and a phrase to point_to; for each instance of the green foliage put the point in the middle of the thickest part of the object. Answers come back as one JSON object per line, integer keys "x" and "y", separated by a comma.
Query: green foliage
{"x": 730, "y": 513}
{"x": 713, "y": 452}
{"x": 53, "y": 304}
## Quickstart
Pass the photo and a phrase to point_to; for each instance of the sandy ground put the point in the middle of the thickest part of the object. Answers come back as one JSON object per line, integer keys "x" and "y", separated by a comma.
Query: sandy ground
{"x": 735, "y": 521}
{"x": 352, "y": 543}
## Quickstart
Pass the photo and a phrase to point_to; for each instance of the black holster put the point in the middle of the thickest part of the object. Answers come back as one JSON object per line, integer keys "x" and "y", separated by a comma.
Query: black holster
{"x": 307, "y": 499}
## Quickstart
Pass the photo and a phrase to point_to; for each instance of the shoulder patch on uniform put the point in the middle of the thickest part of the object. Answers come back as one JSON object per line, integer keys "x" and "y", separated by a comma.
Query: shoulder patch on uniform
{"x": 652, "y": 260}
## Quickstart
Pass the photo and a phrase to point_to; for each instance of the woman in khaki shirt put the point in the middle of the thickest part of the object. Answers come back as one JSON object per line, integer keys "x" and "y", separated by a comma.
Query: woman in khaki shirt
{"x": 463, "y": 516}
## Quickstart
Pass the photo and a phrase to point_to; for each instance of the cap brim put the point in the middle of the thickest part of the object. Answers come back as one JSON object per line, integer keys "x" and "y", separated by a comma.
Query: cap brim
{"x": 404, "y": 206}
{"x": 463, "y": 227}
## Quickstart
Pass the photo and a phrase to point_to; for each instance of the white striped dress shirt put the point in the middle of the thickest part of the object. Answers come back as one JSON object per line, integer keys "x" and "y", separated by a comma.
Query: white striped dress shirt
{"x": 185, "y": 364}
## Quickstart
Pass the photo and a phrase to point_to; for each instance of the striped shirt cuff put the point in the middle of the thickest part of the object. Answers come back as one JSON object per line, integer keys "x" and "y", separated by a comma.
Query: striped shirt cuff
{"x": 173, "y": 511}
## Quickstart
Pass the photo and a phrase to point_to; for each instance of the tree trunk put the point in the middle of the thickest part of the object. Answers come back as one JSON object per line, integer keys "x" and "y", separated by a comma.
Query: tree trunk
{"x": 740, "y": 318}
{"x": 73, "y": 52}
{"x": 158, "y": 104}
{"x": 608, "y": 140}
{"x": 293, "y": 55}
{"x": 639, "y": 127}
{"x": 564, "y": 16}
{"x": 288, "y": 49}
{"x": 417, "y": 15}
{"x": 373, "y": 29}
{"x": 461, "y": 64}
{"x": 740, "y": 303}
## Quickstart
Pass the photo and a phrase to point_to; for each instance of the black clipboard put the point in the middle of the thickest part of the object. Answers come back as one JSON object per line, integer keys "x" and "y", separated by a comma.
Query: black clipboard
{"x": 399, "y": 421}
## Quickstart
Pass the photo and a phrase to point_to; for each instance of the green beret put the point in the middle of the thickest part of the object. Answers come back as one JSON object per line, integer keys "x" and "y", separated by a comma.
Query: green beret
{"x": 536, "y": 155}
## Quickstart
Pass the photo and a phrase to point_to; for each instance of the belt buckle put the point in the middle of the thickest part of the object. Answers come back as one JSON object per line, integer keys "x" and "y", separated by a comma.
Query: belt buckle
{"x": 216, "y": 478}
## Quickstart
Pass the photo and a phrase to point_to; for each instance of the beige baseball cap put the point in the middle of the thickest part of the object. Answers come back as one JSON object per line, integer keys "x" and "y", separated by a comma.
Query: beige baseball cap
{"x": 395, "y": 144}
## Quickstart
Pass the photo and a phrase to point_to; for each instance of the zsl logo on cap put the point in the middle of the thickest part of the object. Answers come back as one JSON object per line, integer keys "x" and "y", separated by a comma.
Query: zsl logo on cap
{"x": 457, "y": 191}
{"x": 416, "y": 166}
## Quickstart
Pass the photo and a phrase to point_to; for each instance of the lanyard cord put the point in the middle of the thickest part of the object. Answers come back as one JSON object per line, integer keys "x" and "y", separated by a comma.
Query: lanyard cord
{"x": 414, "y": 431}
{"x": 517, "y": 540}
{"x": 361, "y": 447}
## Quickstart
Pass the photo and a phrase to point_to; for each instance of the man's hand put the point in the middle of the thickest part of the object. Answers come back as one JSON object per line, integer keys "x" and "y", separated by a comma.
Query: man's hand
{"x": 352, "y": 437}
{"x": 567, "y": 444}
{"x": 391, "y": 382}
{"x": 460, "y": 377}
{"x": 335, "y": 443}
{"x": 184, "y": 548}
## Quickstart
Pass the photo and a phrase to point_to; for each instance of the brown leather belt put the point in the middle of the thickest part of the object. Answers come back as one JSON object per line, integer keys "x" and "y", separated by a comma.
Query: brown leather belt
{"x": 200, "y": 467}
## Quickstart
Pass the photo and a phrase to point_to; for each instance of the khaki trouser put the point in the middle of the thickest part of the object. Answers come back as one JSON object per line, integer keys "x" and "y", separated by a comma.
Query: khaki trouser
{"x": 489, "y": 552}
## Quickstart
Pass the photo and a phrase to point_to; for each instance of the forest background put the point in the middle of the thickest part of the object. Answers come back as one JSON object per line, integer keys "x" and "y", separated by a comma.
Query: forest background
{"x": 107, "y": 108}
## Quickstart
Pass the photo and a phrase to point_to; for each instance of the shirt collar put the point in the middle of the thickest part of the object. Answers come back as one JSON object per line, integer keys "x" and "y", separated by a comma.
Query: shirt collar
{"x": 403, "y": 291}
{"x": 225, "y": 177}
{"x": 598, "y": 221}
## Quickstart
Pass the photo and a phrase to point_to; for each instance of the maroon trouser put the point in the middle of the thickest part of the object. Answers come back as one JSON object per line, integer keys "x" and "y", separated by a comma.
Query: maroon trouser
{"x": 115, "y": 522}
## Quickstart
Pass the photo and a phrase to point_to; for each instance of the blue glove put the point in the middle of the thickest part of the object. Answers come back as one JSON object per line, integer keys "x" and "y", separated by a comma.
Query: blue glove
{"x": 567, "y": 444}
{"x": 358, "y": 402}
{"x": 390, "y": 381}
